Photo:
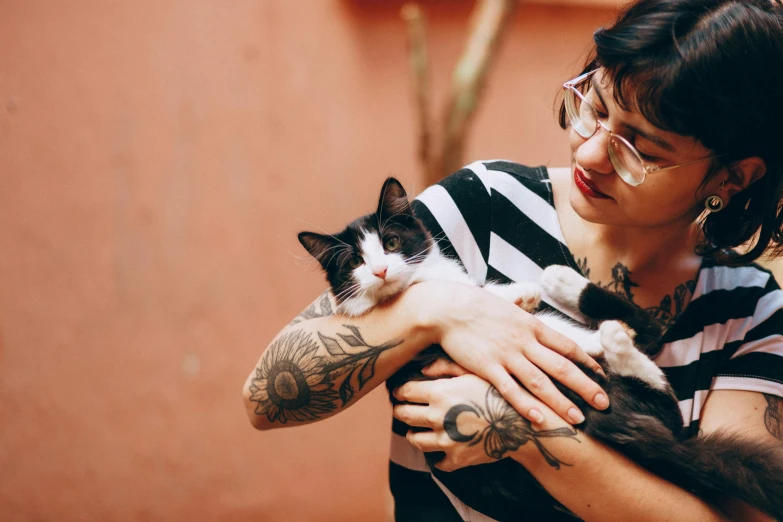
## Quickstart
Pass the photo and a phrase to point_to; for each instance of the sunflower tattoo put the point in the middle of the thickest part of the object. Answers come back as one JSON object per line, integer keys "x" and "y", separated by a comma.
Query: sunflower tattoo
{"x": 289, "y": 383}
{"x": 293, "y": 382}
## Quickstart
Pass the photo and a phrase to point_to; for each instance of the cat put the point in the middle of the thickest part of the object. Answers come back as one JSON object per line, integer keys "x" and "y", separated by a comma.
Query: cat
{"x": 379, "y": 255}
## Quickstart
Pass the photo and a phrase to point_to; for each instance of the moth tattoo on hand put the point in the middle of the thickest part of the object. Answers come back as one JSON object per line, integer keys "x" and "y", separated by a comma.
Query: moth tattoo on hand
{"x": 506, "y": 430}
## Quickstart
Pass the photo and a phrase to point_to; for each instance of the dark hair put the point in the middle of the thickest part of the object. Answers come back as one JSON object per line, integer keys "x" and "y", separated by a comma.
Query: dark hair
{"x": 711, "y": 70}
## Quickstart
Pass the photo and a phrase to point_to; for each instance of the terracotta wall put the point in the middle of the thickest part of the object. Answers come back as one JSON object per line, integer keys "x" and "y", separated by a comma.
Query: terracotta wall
{"x": 156, "y": 161}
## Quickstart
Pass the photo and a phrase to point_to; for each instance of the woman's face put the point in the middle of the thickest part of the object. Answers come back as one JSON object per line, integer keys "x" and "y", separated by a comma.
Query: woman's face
{"x": 599, "y": 195}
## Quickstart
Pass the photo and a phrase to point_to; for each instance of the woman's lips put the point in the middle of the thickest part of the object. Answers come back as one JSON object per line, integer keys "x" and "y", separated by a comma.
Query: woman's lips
{"x": 587, "y": 187}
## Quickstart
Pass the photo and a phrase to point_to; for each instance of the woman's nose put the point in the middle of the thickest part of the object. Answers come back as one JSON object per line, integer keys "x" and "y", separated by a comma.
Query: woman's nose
{"x": 593, "y": 153}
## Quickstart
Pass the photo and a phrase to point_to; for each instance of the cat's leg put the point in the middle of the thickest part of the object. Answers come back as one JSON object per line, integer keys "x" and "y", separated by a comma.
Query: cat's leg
{"x": 564, "y": 284}
{"x": 525, "y": 295}
{"x": 625, "y": 359}
{"x": 573, "y": 290}
{"x": 589, "y": 340}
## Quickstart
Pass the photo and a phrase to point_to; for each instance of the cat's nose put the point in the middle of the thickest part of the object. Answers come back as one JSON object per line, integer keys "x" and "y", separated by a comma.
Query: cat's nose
{"x": 380, "y": 273}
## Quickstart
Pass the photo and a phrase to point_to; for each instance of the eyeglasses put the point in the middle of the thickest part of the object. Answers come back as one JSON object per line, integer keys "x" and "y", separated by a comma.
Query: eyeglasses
{"x": 626, "y": 160}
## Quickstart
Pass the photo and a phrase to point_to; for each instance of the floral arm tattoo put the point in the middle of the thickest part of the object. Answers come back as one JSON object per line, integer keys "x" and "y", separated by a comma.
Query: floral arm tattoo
{"x": 321, "y": 307}
{"x": 507, "y": 430}
{"x": 773, "y": 416}
{"x": 305, "y": 376}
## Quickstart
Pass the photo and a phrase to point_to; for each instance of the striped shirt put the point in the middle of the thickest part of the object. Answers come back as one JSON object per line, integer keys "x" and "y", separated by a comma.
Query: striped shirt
{"x": 498, "y": 218}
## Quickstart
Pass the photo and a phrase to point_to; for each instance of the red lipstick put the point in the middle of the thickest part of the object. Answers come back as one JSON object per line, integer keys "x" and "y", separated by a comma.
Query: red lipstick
{"x": 587, "y": 187}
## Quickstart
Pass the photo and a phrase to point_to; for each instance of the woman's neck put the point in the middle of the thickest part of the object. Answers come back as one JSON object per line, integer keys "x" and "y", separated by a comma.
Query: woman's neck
{"x": 655, "y": 267}
{"x": 641, "y": 249}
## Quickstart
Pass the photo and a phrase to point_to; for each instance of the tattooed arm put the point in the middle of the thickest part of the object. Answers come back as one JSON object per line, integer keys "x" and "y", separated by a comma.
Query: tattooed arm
{"x": 472, "y": 424}
{"x": 756, "y": 415}
{"x": 322, "y": 363}
{"x": 599, "y": 484}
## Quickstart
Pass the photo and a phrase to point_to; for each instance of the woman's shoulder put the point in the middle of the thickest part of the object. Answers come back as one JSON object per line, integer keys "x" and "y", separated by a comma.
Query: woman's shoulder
{"x": 464, "y": 209}
{"x": 740, "y": 286}
{"x": 498, "y": 175}
{"x": 486, "y": 169}
{"x": 715, "y": 275}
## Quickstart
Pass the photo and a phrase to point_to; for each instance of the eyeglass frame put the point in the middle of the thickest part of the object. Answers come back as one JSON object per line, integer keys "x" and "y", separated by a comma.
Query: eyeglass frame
{"x": 570, "y": 86}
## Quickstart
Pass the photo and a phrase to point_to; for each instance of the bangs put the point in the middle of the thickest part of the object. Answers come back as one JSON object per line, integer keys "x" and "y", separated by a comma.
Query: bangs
{"x": 648, "y": 91}
{"x": 676, "y": 68}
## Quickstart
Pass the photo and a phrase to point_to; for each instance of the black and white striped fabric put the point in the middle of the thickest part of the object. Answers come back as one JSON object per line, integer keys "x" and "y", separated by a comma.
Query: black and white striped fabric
{"x": 499, "y": 219}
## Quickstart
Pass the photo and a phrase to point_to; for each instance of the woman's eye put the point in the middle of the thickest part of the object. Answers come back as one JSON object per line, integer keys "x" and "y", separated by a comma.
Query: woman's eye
{"x": 355, "y": 262}
{"x": 647, "y": 157}
{"x": 392, "y": 243}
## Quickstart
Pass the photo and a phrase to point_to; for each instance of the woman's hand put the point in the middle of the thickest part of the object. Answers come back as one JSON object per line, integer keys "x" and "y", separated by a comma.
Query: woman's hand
{"x": 498, "y": 341}
{"x": 470, "y": 422}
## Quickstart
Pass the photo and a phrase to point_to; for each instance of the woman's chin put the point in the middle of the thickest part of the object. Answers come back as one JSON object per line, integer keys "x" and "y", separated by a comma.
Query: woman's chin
{"x": 586, "y": 208}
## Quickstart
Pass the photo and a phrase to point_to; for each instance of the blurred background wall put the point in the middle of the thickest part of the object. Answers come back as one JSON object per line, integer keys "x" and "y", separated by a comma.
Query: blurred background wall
{"x": 157, "y": 159}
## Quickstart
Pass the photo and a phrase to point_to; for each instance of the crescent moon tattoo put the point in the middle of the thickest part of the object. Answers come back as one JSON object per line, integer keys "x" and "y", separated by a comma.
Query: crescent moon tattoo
{"x": 450, "y": 422}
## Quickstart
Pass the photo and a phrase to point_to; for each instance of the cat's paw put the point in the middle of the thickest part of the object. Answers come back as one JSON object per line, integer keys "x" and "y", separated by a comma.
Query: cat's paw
{"x": 625, "y": 359}
{"x": 617, "y": 339}
{"x": 563, "y": 284}
{"x": 525, "y": 295}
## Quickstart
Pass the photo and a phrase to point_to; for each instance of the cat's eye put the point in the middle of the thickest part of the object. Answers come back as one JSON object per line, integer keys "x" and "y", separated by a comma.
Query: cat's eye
{"x": 355, "y": 262}
{"x": 392, "y": 243}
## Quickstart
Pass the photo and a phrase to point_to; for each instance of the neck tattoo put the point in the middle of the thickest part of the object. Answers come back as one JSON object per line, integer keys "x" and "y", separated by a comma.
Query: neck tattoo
{"x": 670, "y": 307}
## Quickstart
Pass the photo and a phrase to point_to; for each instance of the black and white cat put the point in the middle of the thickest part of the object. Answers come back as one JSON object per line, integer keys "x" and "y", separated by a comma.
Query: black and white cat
{"x": 381, "y": 254}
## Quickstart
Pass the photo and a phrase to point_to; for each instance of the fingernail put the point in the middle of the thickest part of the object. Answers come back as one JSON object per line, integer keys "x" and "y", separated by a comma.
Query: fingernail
{"x": 537, "y": 416}
{"x": 601, "y": 401}
{"x": 576, "y": 416}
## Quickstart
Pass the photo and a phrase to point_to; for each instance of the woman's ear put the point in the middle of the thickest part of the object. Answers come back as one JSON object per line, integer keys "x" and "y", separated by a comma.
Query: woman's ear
{"x": 743, "y": 173}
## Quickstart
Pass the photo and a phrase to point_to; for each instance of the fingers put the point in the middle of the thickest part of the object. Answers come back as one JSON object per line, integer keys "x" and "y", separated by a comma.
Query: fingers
{"x": 574, "y": 380}
{"x": 568, "y": 374}
{"x": 425, "y": 441}
{"x": 415, "y": 415}
{"x": 414, "y": 391}
{"x": 566, "y": 347}
{"x": 537, "y": 383}
{"x": 525, "y": 404}
{"x": 443, "y": 368}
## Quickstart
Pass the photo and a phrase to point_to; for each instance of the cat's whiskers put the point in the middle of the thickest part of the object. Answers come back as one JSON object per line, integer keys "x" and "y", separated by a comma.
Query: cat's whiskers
{"x": 438, "y": 239}
{"x": 339, "y": 250}
{"x": 421, "y": 255}
{"x": 349, "y": 292}
{"x": 309, "y": 260}
{"x": 343, "y": 252}
{"x": 381, "y": 226}
{"x": 326, "y": 233}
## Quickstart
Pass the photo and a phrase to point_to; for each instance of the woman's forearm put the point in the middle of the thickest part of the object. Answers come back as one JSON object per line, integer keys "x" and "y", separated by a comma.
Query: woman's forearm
{"x": 599, "y": 484}
{"x": 315, "y": 368}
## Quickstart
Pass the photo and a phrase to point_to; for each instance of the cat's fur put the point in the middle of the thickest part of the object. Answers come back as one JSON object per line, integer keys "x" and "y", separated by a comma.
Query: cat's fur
{"x": 643, "y": 421}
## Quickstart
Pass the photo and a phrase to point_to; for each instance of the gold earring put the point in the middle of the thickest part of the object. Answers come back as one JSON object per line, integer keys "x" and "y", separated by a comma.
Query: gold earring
{"x": 714, "y": 204}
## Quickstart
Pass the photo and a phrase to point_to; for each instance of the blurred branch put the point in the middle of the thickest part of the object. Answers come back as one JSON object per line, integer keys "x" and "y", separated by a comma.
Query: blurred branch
{"x": 488, "y": 24}
{"x": 417, "y": 59}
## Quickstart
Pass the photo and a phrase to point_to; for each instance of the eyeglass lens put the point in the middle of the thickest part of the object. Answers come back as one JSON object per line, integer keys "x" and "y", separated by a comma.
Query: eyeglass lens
{"x": 584, "y": 120}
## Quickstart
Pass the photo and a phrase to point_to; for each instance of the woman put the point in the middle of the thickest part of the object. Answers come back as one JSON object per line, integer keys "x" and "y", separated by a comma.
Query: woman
{"x": 676, "y": 161}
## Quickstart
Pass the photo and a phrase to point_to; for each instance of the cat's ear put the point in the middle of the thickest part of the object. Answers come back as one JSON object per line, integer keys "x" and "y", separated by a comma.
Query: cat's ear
{"x": 319, "y": 245}
{"x": 393, "y": 200}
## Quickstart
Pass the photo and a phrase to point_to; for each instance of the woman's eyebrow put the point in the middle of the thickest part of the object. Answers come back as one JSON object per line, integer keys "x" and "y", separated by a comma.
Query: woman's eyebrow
{"x": 649, "y": 137}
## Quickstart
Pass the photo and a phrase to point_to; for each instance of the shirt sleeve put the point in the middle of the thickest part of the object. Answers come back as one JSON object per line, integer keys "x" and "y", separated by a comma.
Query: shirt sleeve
{"x": 457, "y": 212}
{"x": 757, "y": 362}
